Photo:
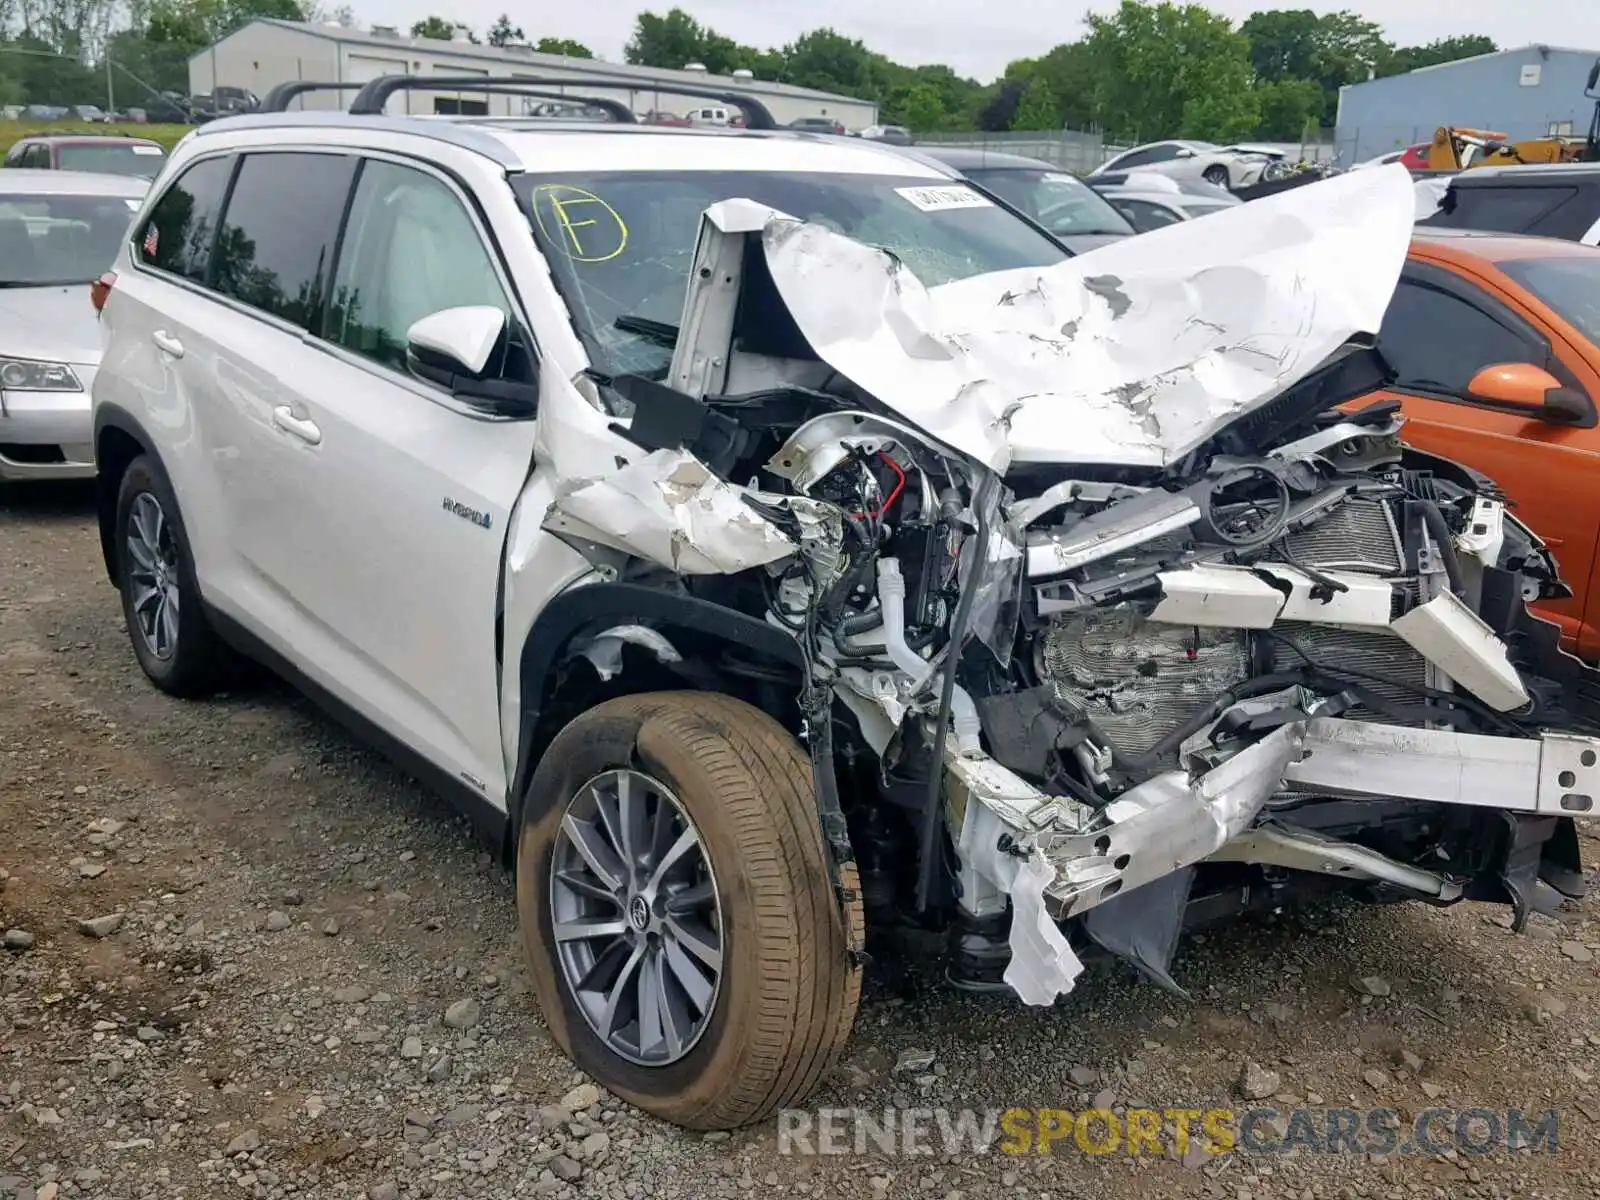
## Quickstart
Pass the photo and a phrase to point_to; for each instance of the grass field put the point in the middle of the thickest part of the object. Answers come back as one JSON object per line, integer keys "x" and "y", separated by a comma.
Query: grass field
{"x": 167, "y": 135}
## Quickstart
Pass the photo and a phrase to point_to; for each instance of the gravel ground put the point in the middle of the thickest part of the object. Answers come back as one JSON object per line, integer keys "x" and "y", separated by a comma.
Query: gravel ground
{"x": 245, "y": 956}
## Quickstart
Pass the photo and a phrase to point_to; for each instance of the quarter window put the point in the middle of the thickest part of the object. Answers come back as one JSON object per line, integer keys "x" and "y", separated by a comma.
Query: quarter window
{"x": 1436, "y": 342}
{"x": 1144, "y": 216}
{"x": 282, "y": 225}
{"x": 410, "y": 249}
{"x": 179, "y": 232}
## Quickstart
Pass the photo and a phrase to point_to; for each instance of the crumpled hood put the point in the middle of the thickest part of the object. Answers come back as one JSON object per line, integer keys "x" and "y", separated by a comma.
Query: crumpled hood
{"x": 1132, "y": 354}
{"x": 56, "y": 324}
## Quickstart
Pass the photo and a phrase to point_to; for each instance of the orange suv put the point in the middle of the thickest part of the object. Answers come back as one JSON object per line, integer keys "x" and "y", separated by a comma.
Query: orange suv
{"x": 1495, "y": 341}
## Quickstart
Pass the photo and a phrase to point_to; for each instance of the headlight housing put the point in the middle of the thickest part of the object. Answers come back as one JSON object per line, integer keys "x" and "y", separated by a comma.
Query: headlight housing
{"x": 34, "y": 375}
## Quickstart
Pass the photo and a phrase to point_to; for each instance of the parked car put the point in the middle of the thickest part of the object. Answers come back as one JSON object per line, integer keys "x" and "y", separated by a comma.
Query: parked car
{"x": 1148, "y": 201}
{"x": 88, "y": 152}
{"x": 894, "y": 135}
{"x": 1412, "y": 158}
{"x": 1226, "y": 166}
{"x": 91, "y": 113}
{"x": 653, "y": 525}
{"x": 1560, "y": 200}
{"x": 58, "y": 231}
{"x": 1495, "y": 341}
{"x": 712, "y": 115}
{"x": 1061, "y": 203}
{"x": 818, "y": 125}
{"x": 658, "y": 117}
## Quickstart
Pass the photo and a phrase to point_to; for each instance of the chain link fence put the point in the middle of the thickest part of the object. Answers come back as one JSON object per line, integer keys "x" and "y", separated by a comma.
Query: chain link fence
{"x": 1070, "y": 149}
{"x": 1081, "y": 151}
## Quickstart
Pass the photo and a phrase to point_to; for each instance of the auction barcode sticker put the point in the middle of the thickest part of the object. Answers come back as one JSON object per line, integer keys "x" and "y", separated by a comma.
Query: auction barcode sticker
{"x": 937, "y": 199}
{"x": 147, "y": 149}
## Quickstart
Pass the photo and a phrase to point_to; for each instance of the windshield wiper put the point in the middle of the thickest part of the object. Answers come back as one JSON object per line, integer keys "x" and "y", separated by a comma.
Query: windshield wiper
{"x": 656, "y": 331}
{"x": 30, "y": 283}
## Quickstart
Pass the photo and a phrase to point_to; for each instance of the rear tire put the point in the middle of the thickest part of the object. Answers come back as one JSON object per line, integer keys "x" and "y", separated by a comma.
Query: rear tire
{"x": 172, "y": 639}
{"x": 786, "y": 988}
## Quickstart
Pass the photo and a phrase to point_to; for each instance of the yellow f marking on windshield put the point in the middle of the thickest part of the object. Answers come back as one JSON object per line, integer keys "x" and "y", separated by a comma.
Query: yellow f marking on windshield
{"x": 604, "y": 234}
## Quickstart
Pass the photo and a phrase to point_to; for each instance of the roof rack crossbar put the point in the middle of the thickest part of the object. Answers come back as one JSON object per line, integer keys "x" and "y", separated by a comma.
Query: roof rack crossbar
{"x": 277, "y": 100}
{"x": 372, "y": 98}
{"x": 615, "y": 109}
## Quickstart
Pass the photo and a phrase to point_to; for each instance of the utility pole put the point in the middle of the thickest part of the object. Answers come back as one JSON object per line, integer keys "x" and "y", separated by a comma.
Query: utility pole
{"x": 111, "y": 99}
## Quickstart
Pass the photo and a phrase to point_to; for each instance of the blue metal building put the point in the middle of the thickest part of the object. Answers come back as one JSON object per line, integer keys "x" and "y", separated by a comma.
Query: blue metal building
{"x": 1526, "y": 93}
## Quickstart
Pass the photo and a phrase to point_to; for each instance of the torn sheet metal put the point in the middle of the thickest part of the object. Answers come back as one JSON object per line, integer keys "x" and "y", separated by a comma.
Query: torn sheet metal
{"x": 669, "y": 508}
{"x": 1457, "y": 640}
{"x": 1042, "y": 964}
{"x": 1430, "y": 195}
{"x": 1264, "y": 593}
{"x": 1131, "y": 354}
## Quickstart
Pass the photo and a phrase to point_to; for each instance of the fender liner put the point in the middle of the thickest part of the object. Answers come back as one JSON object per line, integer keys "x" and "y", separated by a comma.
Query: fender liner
{"x": 111, "y": 416}
{"x": 592, "y": 608}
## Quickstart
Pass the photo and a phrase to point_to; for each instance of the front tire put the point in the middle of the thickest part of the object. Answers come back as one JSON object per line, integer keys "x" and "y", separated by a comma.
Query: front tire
{"x": 172, "y": 639}
{"x": 685, "y": 943}
{"x": 1216, "y": 174}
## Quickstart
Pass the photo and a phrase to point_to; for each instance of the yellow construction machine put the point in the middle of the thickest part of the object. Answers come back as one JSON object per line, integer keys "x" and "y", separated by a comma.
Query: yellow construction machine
{"x": 1456, "y": 149}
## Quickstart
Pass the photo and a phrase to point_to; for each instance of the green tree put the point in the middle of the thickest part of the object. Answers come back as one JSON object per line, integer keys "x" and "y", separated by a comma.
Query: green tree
{"x": 503, "y": 32}
{"x": 920, "y": 108}
{"x": 1283, "y": 44}
{"x": 1452, "y": 49}
{"x": 1037, "y": 108}
{"x": 437, "y": 28}
{"x": 566, "y": 46}
{"x": 199, "y": 23}
{"x": 1171, "y": 70}
{"x": 668, "y": 41}
{"x": 1290, "y": 108}
{"x": 831, "y": 62}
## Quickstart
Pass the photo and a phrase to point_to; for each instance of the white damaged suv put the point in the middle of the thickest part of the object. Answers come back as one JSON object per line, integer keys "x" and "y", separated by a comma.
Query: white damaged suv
{"x": 777, "y": 543}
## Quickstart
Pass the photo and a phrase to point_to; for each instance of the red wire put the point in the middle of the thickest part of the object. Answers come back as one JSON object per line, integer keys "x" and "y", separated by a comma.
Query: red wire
{"x": 900, "y": 486}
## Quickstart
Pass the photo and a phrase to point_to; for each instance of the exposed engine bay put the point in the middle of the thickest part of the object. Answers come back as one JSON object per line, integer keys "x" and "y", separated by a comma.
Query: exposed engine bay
{"x": 1055, "y": 692}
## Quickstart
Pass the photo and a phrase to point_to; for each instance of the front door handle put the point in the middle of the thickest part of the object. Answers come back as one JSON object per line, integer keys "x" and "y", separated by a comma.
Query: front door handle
{"x": 303, "y": 428}
{"x": 166, "y": 343}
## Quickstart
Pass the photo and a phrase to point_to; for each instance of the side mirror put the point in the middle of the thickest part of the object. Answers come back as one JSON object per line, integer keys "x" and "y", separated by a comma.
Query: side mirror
{"x": 455, "y": 349}
{"x": 1185, "y": 152}
{"x": 1532, "y": 390}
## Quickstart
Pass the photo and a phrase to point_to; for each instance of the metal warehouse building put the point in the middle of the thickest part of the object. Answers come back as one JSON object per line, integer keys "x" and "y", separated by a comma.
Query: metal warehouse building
{"x": 1526, "y": 93}
{"x": 265, "y": 52}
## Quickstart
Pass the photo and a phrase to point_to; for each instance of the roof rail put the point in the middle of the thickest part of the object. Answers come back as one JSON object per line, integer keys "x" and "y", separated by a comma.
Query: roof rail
{"x": 277, "y": 100}
{"x": 370, "y": 100}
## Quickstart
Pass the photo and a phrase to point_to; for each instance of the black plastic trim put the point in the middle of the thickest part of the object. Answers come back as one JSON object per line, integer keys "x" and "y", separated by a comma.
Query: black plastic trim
{"x": 599, "y": 606}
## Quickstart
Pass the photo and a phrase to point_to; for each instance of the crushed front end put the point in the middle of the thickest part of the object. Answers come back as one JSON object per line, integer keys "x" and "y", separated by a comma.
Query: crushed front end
{"x": 1086, "y": 659}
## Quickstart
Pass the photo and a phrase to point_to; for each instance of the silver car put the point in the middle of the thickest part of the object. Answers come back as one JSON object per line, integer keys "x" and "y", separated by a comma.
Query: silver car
{"x": 59, "y": 230}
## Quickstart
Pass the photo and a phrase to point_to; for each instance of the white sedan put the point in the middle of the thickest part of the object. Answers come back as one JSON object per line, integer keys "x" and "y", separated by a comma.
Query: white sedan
{"x": 1226, "y": 166}
{"x": 59, "y": 230}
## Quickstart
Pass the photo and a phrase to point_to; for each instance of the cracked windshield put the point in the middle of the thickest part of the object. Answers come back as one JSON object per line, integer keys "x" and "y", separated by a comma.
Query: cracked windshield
{"x": 621, "y": 243}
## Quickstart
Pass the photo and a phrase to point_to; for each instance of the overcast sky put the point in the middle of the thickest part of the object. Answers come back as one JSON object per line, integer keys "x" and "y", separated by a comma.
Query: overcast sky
{"x": 978, "y": 37}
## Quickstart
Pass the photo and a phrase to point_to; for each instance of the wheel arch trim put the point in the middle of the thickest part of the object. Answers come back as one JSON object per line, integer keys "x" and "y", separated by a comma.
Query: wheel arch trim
{"x": 578, "y": 614}
{"x": 109, "y": 417}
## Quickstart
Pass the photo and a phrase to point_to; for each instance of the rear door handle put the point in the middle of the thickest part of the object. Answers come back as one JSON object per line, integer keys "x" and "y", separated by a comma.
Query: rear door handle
{"x": 167, "y": 344}
{"x": 301, "y": 427}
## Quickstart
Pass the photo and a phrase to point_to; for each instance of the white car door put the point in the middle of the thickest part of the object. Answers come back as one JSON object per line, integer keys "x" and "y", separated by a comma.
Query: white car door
{"x": 382, "y": 501}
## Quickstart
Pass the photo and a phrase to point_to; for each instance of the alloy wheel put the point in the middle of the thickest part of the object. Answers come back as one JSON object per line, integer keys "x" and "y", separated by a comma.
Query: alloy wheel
{"x": 153, "y": 576}
{"x": 636, "y": 917}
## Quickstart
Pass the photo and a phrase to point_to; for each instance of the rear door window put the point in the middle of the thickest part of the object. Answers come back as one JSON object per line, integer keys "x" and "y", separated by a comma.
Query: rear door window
{"x": 278, "y": 237}
{"x": 1144, "y": 216}
{"x": 1501, "y": 209}
{"x": 180, "y": 231}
